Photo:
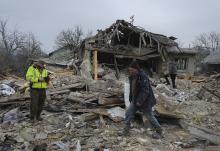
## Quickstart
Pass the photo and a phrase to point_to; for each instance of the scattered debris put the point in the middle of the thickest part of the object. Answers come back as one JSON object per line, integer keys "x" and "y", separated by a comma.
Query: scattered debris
{"x": 84, "y": 114}
{"x": 11, "y": 117}
{"x": 202, "y": 132}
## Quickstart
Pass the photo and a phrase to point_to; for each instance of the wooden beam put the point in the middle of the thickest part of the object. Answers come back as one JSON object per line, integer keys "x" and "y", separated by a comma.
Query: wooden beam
{"x": 210, "y": 135}
{"x": 14, "y": 99}
{"x": 210, "y": 91}
{"x": 116, "y": 68}
{"x": 109, "y": 100}
{"x": 128, "y": 51}
{"x": 95, "y": 64}
{"x": 140, "y": 44}
{"x": 88, "y": 117}
{"x": 143, "y": 39}
{"x": 71, "y": 86}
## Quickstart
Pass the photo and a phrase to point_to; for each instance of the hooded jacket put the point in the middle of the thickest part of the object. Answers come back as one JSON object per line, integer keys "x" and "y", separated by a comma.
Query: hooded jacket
{"x": 144, "y": 94}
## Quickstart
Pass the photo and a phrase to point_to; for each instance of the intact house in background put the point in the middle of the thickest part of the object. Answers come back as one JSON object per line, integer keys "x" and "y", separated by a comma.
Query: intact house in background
{"x": 116, "y": 47}
{"x": 186, "y": 59}
{"x": 212, "y": 61}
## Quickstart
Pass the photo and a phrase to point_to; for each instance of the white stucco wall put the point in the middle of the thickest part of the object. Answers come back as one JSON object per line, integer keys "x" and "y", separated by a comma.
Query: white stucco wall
{"x": 191, "y": 65}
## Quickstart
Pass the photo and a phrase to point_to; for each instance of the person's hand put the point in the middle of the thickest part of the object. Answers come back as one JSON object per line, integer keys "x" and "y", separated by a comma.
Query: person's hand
{"x": 47, "y": 79}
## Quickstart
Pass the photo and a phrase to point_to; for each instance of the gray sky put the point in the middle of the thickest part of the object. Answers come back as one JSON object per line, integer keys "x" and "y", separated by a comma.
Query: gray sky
{"x": 46, "y": 18}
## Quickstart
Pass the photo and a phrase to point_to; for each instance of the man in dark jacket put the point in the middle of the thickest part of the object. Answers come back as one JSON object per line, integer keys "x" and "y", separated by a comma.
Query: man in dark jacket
{"x": 173, "y": 72}
{"x": 141, "y": 98}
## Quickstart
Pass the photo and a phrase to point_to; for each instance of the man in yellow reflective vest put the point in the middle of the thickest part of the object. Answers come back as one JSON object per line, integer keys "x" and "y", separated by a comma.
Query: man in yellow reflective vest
{"x": 38, "y": 77}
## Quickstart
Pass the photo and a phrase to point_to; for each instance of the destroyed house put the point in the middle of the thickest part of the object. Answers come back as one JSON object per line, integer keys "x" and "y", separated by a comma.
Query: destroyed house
{"x": 123, "y": 42}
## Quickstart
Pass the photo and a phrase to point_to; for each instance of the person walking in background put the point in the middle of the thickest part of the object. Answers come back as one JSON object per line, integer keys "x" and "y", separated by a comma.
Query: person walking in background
{"x": 173, "y": 72}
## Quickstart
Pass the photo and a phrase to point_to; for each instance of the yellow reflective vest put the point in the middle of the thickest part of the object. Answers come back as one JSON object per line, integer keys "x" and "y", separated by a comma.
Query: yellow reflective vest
{"x": 33, "y": 75}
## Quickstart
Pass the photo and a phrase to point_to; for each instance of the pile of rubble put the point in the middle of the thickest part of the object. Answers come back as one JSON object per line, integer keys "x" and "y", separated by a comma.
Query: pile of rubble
{"x": 84, "y": 114}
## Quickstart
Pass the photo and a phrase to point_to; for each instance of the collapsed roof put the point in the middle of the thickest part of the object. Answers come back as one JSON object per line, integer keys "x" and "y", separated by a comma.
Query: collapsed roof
{"x": 129, "y": 41}
{"x": 189, "y": 51}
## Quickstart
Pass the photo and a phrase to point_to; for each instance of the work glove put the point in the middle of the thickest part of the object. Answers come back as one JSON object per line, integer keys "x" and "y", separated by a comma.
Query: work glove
{"x": 47, "y": 79}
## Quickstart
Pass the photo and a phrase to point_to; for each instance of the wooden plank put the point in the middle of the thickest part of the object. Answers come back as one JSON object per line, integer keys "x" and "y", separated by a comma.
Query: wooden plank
{"x": 116, "y": 68}
{"x": 88, "y": 117}
{"x": 211, "y": 148}
{"x": 139, "y": 45}
{"x": 100, "y": 111}
{"x": 128, "y": 51}
{"x": 109, "y": 101}
{"x": 102, "y": 121}
{"x": 58, "y": 92}
{"x": 73, "y": 97}
{"x": 71, "y": 86}
{"x": 13, "y": 98}
{"x": 25, "y": 98}
{"x": 95, "y": 65}
{"x": 112, "y": 113}
{"x": 198, "y": 80}
{"x": 201, "y": 132}
{"x": 161, "y": 112}
{"x": 210, "y": 91}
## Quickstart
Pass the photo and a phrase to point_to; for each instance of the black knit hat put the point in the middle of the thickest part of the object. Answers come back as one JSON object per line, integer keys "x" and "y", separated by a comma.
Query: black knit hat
{"x": 40, "y": 63}
{"x": 135, "y": 65}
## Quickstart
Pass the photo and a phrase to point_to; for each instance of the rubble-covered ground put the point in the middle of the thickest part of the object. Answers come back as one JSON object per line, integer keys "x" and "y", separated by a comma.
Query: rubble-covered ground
{"x": 89, "y": 115}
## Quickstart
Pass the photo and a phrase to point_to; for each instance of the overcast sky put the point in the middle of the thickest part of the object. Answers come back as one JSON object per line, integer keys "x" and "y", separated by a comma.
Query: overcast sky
{"x": 46, "y": 18}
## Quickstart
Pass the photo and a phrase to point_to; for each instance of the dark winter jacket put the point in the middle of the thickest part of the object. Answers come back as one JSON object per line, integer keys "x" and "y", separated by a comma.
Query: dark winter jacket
{"x": 144, "y": 96}
{"x": 172, "y": 68}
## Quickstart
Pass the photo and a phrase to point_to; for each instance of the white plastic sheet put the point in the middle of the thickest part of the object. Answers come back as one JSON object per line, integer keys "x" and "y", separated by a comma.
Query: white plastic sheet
{"x": 6, "y": 90}
{"x": 126, "y": 94}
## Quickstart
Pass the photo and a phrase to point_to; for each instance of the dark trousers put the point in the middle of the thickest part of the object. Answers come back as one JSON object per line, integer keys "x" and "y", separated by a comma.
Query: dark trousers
{"x": 167, "y": 80}
{"x": 173, "y": 79}
{"x": 38, "y": 97}
{"x": 132, "y": 109}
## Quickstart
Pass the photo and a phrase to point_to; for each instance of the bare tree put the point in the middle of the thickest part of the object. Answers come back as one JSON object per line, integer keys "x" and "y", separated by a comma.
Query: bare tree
{"x": 89, "y": 34}
{"x": 3, "y": 31}
{"x": 17, "y": 47}
{"x": 33, "y": 46}
{"x": 70, "y": 38}
{"x": 11, "y": 41}
{"x": 180, "y": 43}
{"x": 208, "y": 40}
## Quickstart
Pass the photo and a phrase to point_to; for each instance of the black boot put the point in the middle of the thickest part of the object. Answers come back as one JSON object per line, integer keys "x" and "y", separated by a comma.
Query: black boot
{"x": 159, "y": 131}
{"x": 32, "y": 119}
{"x": 126, "y": 130}
{"x": 158, "y": 134}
